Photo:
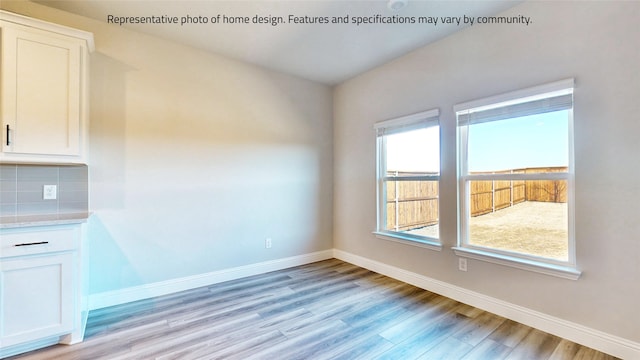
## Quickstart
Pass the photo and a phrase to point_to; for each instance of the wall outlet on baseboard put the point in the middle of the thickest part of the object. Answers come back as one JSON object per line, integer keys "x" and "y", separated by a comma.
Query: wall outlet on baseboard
{"x": 462, "y": 264}
{"x": 267, "y": 243}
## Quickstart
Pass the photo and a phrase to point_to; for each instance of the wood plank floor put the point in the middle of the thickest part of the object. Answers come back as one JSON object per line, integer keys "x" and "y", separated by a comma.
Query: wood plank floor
{"x": 325, "y": 310}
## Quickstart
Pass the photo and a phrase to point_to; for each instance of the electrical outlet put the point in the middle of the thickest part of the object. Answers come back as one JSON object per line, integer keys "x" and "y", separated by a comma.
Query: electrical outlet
{"x": 49, "y": 192}
{"x": 267, "y": 243}
{"x": 462, "y": 264}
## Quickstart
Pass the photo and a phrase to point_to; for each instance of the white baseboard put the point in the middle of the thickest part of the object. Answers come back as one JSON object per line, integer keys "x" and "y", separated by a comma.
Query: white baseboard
{"x": 122, "y": 296}
{"x": 577, "y": 333}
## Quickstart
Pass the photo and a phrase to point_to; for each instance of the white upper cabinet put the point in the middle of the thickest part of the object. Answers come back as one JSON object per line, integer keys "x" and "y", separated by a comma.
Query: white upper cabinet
{"x": 43, "y": 91}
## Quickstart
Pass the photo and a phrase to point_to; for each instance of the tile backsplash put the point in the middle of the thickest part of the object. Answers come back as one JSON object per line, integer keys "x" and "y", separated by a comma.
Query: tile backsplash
{"x": 21, "y": 189}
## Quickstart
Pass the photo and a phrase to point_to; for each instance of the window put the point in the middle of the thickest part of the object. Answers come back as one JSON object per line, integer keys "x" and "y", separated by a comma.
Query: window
{"x": 515, "y": 179}
{"x": 408, "y": 174}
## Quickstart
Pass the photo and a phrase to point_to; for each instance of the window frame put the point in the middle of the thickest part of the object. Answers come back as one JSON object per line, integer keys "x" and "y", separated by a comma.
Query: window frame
{"x": 421, "y": 120}
{"x": 565, "y": 269}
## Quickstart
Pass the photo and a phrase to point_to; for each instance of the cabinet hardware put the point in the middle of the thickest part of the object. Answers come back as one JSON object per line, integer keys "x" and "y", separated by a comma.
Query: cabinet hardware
{"x": 8, "y": 132}
{"x": 33, "y": 243}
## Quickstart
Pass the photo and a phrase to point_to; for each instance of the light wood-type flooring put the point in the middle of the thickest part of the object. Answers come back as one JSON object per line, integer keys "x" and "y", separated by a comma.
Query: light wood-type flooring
{"x": 325, "y": 310}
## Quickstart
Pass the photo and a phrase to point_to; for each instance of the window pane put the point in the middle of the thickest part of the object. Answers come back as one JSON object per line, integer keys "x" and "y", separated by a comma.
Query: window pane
{"x": 415, "y": 152}
{"x": 412, "y": 207}
{"x": 528, "y": 217}
{"x": 534, "y": 143}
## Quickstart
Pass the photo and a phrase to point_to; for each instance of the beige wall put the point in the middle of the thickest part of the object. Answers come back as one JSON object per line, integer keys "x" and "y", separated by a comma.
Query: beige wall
{"x": 196, "y": 159}
{"x": 595, "y": 42}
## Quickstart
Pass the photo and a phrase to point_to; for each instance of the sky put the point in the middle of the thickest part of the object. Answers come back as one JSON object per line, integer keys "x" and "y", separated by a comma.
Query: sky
{"x": 417, "y": 150}
{"x": 531, "y": 141}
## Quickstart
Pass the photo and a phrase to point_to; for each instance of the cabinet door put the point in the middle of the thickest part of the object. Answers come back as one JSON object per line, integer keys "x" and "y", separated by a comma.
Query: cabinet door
{"x": 41, "y": 89}
{"x": 36, "y": 298}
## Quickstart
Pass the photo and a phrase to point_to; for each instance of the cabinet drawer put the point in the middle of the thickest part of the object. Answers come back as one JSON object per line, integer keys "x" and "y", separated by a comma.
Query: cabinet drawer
{"x": 38, "y": 240}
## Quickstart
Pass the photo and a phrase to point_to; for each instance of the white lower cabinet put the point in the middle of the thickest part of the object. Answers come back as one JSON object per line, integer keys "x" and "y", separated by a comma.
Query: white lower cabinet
{"x": 40, "y": 296}
{"x": 37, "y": 298}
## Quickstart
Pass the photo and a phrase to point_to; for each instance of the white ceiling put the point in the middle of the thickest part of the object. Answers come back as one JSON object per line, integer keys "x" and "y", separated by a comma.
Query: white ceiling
{"x": 324, "y": 53}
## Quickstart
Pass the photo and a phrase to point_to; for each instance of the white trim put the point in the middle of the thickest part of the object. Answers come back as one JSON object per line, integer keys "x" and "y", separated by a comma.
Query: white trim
{"x": 134, "y": 293}
{"x": 408, "y": 119}
{"x": 426, "y": 118}
{"x": 571, "y": 194}
{"x": 412, "y": 178}
{"x": 596, "y": 339}
{"x": 517, "y": 176}
{"x": 547, "y": 268}
{"x": 524, "y": 261}
{"x": 419, "y": 241}
{"x": 534, "y": 92}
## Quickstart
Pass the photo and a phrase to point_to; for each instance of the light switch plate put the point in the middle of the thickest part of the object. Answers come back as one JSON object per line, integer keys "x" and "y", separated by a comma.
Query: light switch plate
{"x": 49, "y": 192}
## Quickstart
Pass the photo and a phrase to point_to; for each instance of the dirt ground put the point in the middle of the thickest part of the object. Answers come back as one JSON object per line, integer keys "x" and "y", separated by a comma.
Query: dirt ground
{"x": 537, "y": 228}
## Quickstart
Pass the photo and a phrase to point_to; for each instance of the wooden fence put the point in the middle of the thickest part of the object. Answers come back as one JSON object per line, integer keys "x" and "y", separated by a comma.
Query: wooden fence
{"x": 414, "y": 204}
{"x": 411, "y": 204}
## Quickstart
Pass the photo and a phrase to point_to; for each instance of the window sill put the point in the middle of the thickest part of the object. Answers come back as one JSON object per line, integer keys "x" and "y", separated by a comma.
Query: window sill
{"x": 409, "y": 240}
{"x": 565, "y": 272}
